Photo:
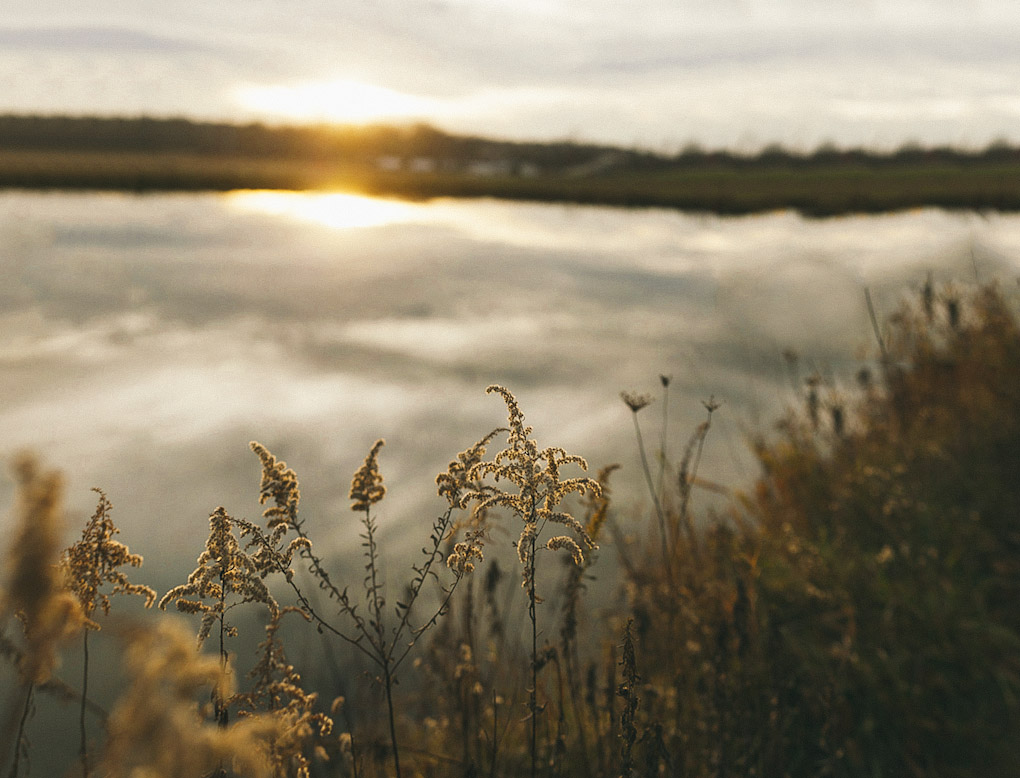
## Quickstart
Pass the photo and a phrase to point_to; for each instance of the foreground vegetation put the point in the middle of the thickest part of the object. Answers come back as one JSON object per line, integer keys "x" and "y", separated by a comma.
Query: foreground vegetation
{"x": 422, "y": 162}
{"x": 852, "y": 613}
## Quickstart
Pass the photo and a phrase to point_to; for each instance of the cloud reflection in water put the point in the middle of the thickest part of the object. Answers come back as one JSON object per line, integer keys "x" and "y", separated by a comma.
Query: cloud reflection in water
{"x": 147, "y": 339}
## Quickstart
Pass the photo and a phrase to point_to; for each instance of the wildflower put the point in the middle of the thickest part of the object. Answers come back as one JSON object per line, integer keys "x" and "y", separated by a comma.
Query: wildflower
{"x": 563, "y": 541}
{"x": 366, "y": 486}
{"x": 463, "y": 552}
{"x": 456, "y": 482}
{"x": 94, "y": 560}
{"x": 223, "y": 568}
{"x": 539, "y": 488}
{"x": 636, "y": 401}
{"x": 280, "y": 484}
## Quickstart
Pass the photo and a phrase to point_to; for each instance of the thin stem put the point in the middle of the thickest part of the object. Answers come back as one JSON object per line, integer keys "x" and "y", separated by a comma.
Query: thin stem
{"x": 21, "y": 731}
{"x": 376, "y": 602}
{"x": 83, "y": 747}
{"x": 874, "y": 326}
{"x": 221, "y": 708}
{"x": 651, "y": 489}
{"x": 388, "y": 678}
{"x": 421, "y": 630}
{"x": 663, "y": 435}
{"x": 306, "y": 605}
{"x": 372, "y": 583}
{"x": 495, "y": 734}
{"x": 533, "y": 701}
{"x": 438, "y": 532}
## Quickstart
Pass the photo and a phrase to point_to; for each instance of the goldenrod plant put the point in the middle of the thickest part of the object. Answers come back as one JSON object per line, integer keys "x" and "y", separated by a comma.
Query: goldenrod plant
{"x": 90, "y": 563}
{"x": 538, "y": 490}
{"x": 35, "y": 593}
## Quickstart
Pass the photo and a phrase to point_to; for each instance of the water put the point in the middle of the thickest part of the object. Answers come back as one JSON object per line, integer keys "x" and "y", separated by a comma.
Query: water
{"x": 147, "y": 339}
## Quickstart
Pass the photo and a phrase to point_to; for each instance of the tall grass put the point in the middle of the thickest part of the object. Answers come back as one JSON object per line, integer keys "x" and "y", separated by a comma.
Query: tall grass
{"x": 851, "y": 612}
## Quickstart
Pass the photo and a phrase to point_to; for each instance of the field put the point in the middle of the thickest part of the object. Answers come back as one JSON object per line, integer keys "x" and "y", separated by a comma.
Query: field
{"x": 849, "y": 612}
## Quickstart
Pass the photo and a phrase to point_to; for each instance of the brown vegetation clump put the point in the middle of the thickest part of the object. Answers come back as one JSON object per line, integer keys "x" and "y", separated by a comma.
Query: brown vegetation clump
{"x": 35, "y": 590}
{"x": 157, "y": 728}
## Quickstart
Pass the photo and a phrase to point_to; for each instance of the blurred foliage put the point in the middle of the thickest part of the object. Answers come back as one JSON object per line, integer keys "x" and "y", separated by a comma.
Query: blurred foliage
{"x": 857, "y": 615}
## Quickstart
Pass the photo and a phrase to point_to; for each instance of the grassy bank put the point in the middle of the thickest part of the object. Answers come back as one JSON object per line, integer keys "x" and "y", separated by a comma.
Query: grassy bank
{"x": 816, "y": 188}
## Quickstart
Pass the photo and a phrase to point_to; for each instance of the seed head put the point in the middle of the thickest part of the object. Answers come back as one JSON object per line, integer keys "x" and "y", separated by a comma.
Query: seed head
{"x": 366, "y": 486}
{"x": 636, "y": 401}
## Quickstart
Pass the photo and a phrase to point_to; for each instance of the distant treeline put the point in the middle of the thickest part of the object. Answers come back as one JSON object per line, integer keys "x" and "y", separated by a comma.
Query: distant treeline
{"x": 353, "y": 143}
{"x": 369, "y": 144}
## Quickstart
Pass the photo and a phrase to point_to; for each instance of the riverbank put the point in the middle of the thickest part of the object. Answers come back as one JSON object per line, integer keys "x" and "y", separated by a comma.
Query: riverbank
{"x": 813, "y": 189}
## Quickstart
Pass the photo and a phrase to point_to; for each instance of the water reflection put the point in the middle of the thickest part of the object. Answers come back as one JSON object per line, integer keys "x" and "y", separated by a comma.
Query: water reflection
{"x": 338, "y": 211}
{"x": 148, "y": 339}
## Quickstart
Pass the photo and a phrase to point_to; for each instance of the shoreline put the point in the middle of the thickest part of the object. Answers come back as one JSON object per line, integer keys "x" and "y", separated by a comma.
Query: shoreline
{"x": 816, "y": 189}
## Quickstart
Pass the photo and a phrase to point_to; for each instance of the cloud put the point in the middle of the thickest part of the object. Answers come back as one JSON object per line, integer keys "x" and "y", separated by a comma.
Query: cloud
{"x": 657, "y": 73}
{"x": 92, "y": 39}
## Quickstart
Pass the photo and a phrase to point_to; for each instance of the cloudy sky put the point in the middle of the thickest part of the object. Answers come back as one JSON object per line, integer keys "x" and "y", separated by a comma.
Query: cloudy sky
{"x": 657, "y": 73}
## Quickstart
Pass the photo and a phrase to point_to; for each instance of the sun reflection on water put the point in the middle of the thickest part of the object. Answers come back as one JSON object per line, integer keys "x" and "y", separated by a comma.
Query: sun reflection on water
{"x": 336, "y": 210}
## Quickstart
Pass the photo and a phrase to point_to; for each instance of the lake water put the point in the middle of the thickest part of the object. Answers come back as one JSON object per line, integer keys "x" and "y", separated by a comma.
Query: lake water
{"x": 147, "y": 339}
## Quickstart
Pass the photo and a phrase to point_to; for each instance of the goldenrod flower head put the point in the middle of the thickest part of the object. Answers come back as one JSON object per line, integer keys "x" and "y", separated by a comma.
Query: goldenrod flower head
{"x": 457, "y": 481}
{"x": 366, "y": 486}
{"x": 280, "y": 484}
{"x": 94, "y": 560}
{"x": 563, "y": 541}
{"x": 35, "y": 586}
{"x": 469, "y": 548}
{"x": 223, "y": 569}
{"x": 598, "y": 504}
{"x": 539, "y": 488}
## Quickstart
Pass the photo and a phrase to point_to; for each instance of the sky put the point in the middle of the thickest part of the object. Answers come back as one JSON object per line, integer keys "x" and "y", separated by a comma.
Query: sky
{"x": 658, "y": 74}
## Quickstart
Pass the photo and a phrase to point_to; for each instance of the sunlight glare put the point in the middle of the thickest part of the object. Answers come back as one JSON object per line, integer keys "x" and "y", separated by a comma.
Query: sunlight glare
{"x": 335, "y": 210}
{"x": 335, "y": 101}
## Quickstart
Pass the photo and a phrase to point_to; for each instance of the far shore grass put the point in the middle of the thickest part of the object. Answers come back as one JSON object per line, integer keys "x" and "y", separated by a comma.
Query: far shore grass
{"x": 818, "y": 189}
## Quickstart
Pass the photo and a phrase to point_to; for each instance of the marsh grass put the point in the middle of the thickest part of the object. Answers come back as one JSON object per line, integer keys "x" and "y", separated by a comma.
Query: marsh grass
{"x": 851, "y": 612}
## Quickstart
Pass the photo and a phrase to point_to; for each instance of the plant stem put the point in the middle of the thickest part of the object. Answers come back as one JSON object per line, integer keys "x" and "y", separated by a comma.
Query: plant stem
{"x": 533, "y": 701}
{"x": 651, "y": 490}
{"x": 83, "y": 747}
{"x": 220, "y": 707}
{"x": 388, "y": 678}
{"x": 383, "y": 656}
{"x": 663, "y": 437}
{"x": 21, "y": 731}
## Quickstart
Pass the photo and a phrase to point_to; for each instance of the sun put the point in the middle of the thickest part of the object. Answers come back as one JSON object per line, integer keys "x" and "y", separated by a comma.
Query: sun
{"x": 339, "y": 101}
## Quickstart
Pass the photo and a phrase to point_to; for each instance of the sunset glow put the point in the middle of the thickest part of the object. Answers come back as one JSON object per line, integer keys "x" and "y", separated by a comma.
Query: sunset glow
{"x": 335, "y": 210}
{"x": 343, "y": 101}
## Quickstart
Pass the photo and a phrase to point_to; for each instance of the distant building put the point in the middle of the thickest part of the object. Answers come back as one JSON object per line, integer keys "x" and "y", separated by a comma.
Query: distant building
{"x": 486, "y": 168}
{"x": 389, "y": 163}
{"x": 423, "y": 165}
